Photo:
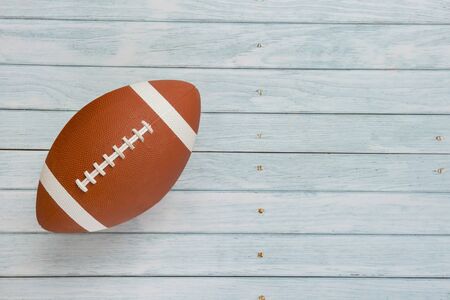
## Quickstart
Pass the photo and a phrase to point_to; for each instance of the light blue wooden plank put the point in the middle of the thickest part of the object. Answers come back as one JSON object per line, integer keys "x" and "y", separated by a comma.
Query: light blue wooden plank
{"x": 223, "y": 288}
{"x": 222, "y": 90}
{"x": 223, "y": 255}
{"x": 224, "y": 45}
{"x": 373, "y": 11}
{"x": 239, "y": 171}
{"x": 266, "y": 133}
{"x": 311, "y": 46}
{"x": 288, "y": 212}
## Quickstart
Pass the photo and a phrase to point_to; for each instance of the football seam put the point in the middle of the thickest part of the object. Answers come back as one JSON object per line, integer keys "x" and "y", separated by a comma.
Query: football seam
{"x": 109, "y": 160}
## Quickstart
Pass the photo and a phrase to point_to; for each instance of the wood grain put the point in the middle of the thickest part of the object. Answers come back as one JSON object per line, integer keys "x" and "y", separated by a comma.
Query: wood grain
{"x": 225, "y": 45}
{"x": 366, "y": 65}
{"x": 373, "y": 11}
{"x": 239, "y": 171}
{"x": 266, "y": 133}
{"x": 206, "y": 288}
{"x": 223, "y": 255}
{"x": 288, "y": 212}
{"x": 225, "y": 90}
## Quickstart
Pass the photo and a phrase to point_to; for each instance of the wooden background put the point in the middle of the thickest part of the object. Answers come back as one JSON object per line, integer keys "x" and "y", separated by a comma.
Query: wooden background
{"x": 332, "y": 116}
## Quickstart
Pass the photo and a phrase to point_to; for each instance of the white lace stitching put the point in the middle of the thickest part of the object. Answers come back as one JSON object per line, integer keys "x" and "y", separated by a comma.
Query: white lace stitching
{"x": 109, "y": 160}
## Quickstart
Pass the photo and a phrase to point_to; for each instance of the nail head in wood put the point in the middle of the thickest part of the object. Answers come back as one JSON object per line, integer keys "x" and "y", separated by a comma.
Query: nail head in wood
{"x": 440, "y": 171}
{"x": 261, "y": 297}
{"x": 260, "y": 254}
{"x": 259, "y": 135}
{"x": 259, "y": 92}
{"x": 261, "y": 210}
{"x": 439, "y": 138}
{"x": 259, "y": 45}
{"x": 259, "y": 168}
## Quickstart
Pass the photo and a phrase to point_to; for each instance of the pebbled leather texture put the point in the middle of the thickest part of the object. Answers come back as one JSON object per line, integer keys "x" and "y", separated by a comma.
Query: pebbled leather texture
{"x": 138, "y": 181}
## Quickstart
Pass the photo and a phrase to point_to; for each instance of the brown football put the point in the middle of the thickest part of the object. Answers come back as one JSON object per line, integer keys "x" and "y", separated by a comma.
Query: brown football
{"x": 118, "y": 156}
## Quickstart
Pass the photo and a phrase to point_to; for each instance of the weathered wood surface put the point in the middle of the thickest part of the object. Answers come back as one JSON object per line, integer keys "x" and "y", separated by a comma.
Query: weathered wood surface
{"x": 225, "y": 45}
{"x": 286, "y": 171}
{"x": 206, "y": 288}
{"x": 224, "y": 255}
{"x": 284, "y": 212}
{"x": 234, "y": 90}
{"x": 253, "y": 61}
{"x": 322, "y": 11}
{"x": 266, "y": 132}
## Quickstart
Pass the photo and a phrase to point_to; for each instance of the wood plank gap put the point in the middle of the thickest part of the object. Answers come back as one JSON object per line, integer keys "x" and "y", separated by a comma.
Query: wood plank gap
{"x": 205, "y": 21}
{"x": 225, "y": 276}
{"x": 254, "y": 113}
{"x": 219, "y": 68}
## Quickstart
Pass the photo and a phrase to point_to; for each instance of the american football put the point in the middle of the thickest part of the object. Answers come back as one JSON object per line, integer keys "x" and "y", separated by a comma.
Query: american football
{"x": 118, "y": 156}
